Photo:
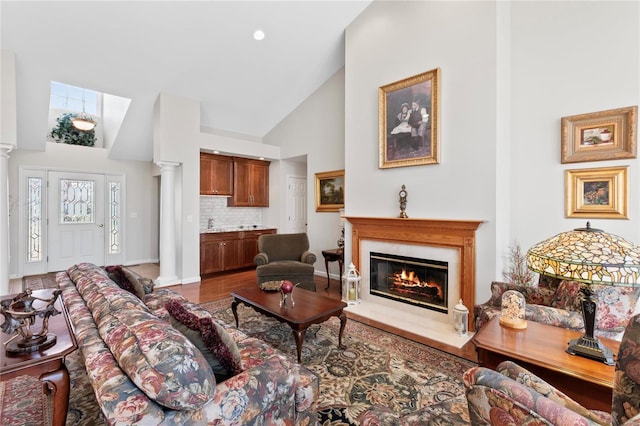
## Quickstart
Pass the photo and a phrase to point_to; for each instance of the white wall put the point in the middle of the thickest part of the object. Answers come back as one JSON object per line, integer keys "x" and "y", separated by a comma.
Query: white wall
{"x": 314, "y": 129}
{"x": 561, "y": 67}
{"x": 141, "y": 212}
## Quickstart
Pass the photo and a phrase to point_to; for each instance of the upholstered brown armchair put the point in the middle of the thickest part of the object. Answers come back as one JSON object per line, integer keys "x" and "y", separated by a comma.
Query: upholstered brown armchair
{"x": 285, "y": 257}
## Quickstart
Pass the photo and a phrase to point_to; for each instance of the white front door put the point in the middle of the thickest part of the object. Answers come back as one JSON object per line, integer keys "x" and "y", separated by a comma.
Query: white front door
{"x": 76, "y": 229}
{"x": 296, "y": 204}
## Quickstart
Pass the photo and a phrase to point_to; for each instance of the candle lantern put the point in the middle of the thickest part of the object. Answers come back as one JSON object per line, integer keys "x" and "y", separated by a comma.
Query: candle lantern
{"x": 460, "y": 318}
{"x": 351, "y": 286}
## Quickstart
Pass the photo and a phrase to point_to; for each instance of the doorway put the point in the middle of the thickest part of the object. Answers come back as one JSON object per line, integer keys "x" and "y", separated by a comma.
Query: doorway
{"x": 296, "y": 204}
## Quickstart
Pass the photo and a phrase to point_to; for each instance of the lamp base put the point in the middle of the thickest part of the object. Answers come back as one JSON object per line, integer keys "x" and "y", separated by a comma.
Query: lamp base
{"x": 591, "y": 347}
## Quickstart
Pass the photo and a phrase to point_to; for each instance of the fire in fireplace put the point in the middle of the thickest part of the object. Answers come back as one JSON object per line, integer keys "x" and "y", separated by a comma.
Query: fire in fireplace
{"x": 419, "y": 282}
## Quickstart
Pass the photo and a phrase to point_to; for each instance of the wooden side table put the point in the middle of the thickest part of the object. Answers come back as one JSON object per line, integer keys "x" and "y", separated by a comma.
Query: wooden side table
{"x": 541, "y": 349}
{"x": 48, "y": 364}
{"x": 333, "y": 255}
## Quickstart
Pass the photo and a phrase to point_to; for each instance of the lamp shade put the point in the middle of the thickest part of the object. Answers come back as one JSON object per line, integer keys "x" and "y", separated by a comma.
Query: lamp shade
{"x": 83, "y": 122}
{"x": 587, "y": 255}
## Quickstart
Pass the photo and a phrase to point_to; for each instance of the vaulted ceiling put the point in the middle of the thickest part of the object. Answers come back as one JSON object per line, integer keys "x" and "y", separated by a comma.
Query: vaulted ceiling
{"x": 202, "y": 50}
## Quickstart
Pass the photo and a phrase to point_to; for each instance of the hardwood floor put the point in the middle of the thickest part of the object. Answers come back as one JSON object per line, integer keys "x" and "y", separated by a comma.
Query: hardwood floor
{"x": 220, "y": 286}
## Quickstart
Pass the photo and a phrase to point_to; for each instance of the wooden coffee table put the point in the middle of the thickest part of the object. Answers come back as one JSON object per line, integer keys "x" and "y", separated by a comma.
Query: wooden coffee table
{"x": 311, "y": 308}
{"x": 47, "y": 364}
{"x": 541, "y": 349}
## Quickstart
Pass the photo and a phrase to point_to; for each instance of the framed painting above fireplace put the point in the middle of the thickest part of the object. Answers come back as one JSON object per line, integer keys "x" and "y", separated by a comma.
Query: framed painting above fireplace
{"x": 409, "y": 113}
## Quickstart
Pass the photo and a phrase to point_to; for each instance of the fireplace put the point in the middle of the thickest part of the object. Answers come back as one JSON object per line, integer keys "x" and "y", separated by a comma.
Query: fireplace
{"x": 416, "y": 281}
{"x": 450, "y": 241}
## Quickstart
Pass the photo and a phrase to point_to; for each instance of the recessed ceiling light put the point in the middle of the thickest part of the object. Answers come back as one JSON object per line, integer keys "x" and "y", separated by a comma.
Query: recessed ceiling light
{"x": 258, "y": 35}
{"x": 216, "y": 152}
{"x": 262, "y": 158}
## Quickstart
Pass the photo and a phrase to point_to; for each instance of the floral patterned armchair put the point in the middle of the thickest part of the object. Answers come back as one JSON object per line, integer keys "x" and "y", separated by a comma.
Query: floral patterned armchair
{"x": 513, "y": 395}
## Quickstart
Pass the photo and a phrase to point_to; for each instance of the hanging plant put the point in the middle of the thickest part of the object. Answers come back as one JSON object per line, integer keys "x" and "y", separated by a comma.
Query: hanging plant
{"x": 64, "y": 132}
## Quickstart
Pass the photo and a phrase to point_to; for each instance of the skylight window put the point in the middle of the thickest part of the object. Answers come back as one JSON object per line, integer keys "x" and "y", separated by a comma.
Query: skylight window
{"x": 73, "y": 99}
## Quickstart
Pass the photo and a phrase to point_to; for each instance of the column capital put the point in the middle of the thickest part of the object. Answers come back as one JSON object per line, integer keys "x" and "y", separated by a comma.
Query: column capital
{"x": 167, "y": 165}
{"x": 5, "y": 149}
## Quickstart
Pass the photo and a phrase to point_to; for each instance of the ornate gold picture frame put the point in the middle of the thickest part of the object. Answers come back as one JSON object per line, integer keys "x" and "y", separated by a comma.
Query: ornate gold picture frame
{"x": 409, "y": 115}
{"x": 596, "y": 193}
{"x": 330, "y": 191}
{"x": 597, "y": 136}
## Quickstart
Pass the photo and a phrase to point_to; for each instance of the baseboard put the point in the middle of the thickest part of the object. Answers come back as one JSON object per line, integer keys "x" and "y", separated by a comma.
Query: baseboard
{"x": 191, "y": 280}
{"x": 140, "y": 262}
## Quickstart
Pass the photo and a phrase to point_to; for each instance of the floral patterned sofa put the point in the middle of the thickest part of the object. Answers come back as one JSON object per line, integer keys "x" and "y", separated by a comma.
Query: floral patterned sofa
{"x": 559, "y": 304}
{"x": 512, "y": 395}
{"x": 144, "y": 371}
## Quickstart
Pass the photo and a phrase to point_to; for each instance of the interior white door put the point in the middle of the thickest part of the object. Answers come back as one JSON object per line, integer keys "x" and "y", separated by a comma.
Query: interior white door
{"x": 296, "y": 204}
{"x": 76, "y": 220}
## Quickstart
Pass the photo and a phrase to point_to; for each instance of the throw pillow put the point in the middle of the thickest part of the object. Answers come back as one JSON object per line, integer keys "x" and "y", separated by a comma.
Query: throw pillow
{"x": 568, "y": 296}
{"x": 217, "y": 346}
{"x": 125, "y": 281}
{"x": 615, "y": 305}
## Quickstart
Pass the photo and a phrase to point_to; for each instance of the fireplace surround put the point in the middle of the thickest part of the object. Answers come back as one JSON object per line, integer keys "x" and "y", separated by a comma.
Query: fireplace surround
{"x": 458, "y": 235}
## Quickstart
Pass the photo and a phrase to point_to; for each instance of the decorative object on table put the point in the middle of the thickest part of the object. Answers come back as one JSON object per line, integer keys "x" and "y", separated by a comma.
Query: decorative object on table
{"x": 351, "y": 286}
{"x": 270, "y": 285}
{"x": 603, "y": 135}
{"x": 330, "y": 191}
{"x": 596, "y": 193}
{"x": 513, "y": 310}
{"x": 518, "y": 272}
{"x": 403, "y": 202}
{"x": 20, "y": 315}
{"x": 590, "y": 256}
{"x": 409, "y": 112}
{"x": 460, "y": 318}
{"x": 286, "y": 290}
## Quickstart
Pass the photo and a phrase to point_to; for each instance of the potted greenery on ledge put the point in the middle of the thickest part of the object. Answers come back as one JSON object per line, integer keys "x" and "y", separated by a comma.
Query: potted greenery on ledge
{"x": 64, "y": 132}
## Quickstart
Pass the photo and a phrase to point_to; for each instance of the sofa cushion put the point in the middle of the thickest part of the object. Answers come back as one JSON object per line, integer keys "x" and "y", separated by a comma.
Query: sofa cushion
{"x": 568, "y": 296}
{"x": 126, "y": 280}
{"x": 615, "y": 306}
{"x": 532, "y": 294}
{"x": 163, "y": 363}
{"x": 217, "y": 346}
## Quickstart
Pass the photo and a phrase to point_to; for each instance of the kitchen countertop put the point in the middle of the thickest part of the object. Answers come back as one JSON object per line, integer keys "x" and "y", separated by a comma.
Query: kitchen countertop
{"x": 235, "y": 229}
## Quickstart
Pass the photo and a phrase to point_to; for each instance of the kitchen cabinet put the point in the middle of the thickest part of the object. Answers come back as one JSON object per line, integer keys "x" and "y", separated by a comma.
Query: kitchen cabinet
{"x": 216, "y": 174}
{"x": 250, "y": 183}
{"x": 219, "y": 251}
{"x": 226, "y": 251}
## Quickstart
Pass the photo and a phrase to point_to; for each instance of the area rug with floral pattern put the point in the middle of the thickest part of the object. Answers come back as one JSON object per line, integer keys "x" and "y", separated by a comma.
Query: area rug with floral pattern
{"x": 376, "y": 368}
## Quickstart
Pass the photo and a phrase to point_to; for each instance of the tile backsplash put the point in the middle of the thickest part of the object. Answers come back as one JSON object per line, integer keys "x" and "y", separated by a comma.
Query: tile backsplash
{"x": 215, "y": 208}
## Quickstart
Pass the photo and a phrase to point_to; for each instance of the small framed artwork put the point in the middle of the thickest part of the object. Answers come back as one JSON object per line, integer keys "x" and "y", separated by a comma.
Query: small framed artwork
{"x": 330, "y": 191}
{"x": 604, "y": 135}
{"x": 409, "y": 114}
{"x": 596, "y": 193}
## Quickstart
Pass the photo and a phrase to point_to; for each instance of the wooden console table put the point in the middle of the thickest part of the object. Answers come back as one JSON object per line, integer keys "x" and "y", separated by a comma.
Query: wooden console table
{"x": 541, "y": 349}
{"x": 48, "y": 364}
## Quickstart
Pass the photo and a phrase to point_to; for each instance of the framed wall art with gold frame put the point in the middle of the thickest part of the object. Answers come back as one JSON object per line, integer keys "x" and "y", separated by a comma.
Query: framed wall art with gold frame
{"x": 596, "y": 193}
{"x": 409, "y": 115}
{"x": 597, "y": 136}
{"x": 330, "y": 191}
